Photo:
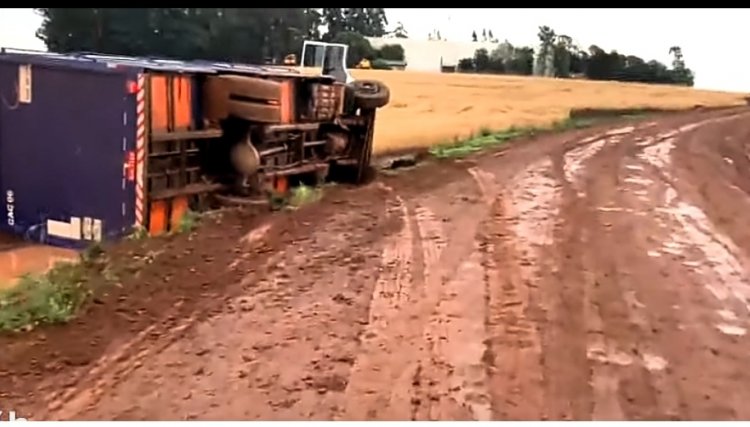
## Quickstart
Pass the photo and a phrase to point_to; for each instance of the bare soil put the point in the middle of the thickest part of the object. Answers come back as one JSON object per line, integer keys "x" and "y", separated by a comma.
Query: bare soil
{"x": 598, "y": 274}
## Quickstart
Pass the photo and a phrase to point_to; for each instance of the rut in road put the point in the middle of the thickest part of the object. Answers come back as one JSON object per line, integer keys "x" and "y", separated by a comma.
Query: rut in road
{"x": 600, "y": 274}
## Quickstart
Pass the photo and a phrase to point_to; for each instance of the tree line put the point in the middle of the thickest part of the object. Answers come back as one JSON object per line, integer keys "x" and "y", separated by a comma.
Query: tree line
{"x": 226, "y": 34}
{"x": 268, "y": 35}
{"x": 558, "y": 56}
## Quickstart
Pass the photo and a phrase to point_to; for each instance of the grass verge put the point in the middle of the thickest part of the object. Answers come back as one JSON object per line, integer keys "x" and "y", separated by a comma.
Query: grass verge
{"x": 55, "y": 296}
{"x": 189, "y": 222}
{"x": 486, "y": 138}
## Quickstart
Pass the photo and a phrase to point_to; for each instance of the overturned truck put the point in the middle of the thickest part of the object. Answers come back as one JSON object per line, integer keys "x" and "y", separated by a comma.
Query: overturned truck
{"x": 278, "y": 125}
{"x": 93, "y": 146}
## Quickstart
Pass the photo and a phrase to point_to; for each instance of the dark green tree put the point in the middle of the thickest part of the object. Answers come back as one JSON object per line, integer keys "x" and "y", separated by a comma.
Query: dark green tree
{"x": 392, "y": 52}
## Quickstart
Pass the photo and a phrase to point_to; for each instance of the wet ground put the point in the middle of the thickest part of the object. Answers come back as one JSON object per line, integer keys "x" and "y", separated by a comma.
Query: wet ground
{"x": 598, "y": 274}
{"x": 18, "y": 258}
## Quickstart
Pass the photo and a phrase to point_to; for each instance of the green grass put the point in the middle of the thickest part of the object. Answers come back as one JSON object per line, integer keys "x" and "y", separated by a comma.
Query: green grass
{"x": 189, "y": 222}
{"x": 139, "y": 233}
{"x": 304, "y": 194}
{"x": 50, "y": 298}
{"x": 295, "y": 197}
{"x": 55, "y": 296}
{"x": 487, "y": 138}
{"x": 474, "y": 144}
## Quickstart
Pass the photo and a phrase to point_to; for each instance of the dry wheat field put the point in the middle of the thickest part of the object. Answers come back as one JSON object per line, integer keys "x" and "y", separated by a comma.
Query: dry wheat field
{"x": 430, "y": 108}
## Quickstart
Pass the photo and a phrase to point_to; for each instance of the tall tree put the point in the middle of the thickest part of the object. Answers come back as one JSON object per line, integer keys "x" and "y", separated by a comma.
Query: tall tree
{"x": 67, "y": 29}
{"x": 238, "y": 34}
{"x": 563, "y": 55}
{"x": 680, "y": 73}
{"x": 369, "y": 22}
{"x": 481, "y": 60}
{"x": 544, "y": 64}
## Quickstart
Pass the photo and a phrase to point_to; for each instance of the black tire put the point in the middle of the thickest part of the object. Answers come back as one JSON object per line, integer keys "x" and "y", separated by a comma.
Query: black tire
{"x": 370, "y": 94}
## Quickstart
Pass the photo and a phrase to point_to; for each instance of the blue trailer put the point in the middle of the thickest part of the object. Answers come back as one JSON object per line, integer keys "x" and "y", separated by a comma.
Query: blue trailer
{"x": 70, "y": 130}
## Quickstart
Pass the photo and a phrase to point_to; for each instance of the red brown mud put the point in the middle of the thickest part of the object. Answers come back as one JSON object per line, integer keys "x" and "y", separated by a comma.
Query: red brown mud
{"x": 597, "y": 274}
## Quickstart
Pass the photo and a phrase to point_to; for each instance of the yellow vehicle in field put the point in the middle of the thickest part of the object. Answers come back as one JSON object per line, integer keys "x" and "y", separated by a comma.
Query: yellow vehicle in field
{"x": 291, "y": 60}
{"x": 364, "y": 64}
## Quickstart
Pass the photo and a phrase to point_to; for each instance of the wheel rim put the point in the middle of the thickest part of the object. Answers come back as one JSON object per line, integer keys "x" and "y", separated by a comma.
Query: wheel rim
{"x": 368, "y": 87}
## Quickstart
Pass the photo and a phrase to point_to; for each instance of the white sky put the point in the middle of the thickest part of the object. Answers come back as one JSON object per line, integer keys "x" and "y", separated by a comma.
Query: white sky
{"x": 712, "y": 40}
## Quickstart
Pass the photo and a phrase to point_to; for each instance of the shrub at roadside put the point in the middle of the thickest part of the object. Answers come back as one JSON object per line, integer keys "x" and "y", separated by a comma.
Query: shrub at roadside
{"x": 53, "y": 297}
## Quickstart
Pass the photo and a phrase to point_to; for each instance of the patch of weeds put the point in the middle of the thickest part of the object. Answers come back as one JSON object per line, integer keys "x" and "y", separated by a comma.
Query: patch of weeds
{"x": 55, "y": 296}
{"x": 139, "y": 233}
{"x": 477, "y": 143}
{"x": 188, "y": 222}
{"x": 92, "y": 253}
{"x": 488, "y": 138}
{"x": 49, "y": 298}
{"x": 297, "y": 196}
{"x": 304, "y": 194}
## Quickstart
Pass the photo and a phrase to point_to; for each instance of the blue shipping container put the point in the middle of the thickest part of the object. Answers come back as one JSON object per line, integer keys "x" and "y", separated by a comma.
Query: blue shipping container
{"x": 68, "y": 140}
{"x": 66, "y": 128}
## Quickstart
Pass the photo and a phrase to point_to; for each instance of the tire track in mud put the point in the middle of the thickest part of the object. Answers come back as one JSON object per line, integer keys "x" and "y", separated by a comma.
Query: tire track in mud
{"x": 715, "y": 263}
{"x": 623, "y": 361}
{"x": 387, "y": 334}
{"x": 615, "y": 306}
{"x": 115, "y": 367}
{"x": 720, "y": 260}
{"x": 641, "y": 301}
{"x": 624, "y": 370}
{"x": 640, "y": 349}
{"x": 279, "y": 345}
{"x": 576, "y": 278}
{"x": 435, "y": 356}
{"x": 608, "y": 305}
{"x": 521, "y": 221}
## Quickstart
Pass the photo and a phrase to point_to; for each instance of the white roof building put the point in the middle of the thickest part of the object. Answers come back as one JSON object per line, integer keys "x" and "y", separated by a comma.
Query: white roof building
{"x": 426, "y": 55}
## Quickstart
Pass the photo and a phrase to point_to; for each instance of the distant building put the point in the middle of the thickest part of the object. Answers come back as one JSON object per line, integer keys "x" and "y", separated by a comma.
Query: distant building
{"x": 433, "y": 55}
{"x": 395, "y": 65}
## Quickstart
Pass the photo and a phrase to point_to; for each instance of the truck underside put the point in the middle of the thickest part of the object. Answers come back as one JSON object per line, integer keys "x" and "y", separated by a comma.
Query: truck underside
{"x": 262, "y": 133}
{"x": 245, "y": 134}
{"x": 276, "y": 128}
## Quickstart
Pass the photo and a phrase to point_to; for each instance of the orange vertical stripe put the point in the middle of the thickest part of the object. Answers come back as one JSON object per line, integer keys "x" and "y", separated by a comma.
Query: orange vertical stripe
{"x": 159, "y": 113}
{"x": 182, "y": 100}
{"x": 179, "y": 209}
{"x": 286, "y": 101}
{"x": 157, "y": 222}
{"x": 282, "y": 184}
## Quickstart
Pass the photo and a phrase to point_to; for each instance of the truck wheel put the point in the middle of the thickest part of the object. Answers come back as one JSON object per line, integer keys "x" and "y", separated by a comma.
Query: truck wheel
{"x": 370, "y": 94}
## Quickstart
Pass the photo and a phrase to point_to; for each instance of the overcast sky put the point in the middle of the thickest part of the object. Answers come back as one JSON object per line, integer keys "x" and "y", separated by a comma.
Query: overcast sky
{"x": 712, "y": 40}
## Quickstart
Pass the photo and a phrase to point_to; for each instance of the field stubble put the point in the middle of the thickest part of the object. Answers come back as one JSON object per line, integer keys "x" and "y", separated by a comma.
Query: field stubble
{"x": 428, "y": 109}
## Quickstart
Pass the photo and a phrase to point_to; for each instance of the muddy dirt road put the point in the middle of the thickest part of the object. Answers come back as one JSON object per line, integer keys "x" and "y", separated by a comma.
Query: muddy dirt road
{"x": 600, "y": 274}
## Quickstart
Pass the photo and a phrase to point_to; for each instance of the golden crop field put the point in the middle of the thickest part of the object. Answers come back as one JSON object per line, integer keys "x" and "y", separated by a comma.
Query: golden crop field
{"x": 431, "y": 108}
